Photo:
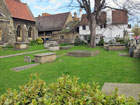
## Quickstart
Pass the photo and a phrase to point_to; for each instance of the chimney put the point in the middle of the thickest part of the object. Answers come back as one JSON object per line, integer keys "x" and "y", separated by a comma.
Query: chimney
{"x": 80, "y": 14}
{"x": 75, "y": 15}
{"x": 45, "y": 14}
{"x": 109, "y": 16}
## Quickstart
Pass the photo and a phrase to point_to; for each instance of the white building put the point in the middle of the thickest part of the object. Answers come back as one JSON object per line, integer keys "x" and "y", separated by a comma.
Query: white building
{"x": 113, "y": 23}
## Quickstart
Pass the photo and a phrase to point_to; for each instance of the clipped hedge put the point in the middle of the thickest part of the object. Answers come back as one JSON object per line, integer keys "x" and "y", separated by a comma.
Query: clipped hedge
{"x": 66, "y": 91}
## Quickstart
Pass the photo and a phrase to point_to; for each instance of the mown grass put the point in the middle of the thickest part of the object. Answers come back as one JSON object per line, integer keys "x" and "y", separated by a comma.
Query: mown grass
{"x": 108, "y": 66}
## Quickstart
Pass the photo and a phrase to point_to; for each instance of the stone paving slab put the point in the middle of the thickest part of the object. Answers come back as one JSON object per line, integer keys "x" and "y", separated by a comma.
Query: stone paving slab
{"x": 13, "y": 55}
{"x": 129, "y": 90}
{"x": 25, "y": 67}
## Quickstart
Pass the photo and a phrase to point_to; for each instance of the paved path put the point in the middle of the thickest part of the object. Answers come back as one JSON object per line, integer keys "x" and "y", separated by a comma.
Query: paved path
{"x": 129, "y": 90}
{"x": 25, "y": 67}
{"x": 13, "y": 55}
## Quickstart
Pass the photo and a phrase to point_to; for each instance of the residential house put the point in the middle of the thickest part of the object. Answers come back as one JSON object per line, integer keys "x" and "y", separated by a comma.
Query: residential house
{"x": 60, "y": 27}
{"x": 112, "y": 23}
{"x": 17, "y": 23}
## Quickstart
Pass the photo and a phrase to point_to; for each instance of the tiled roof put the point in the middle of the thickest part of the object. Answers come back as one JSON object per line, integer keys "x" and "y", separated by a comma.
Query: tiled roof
{"x": 54, "y": 22}
{"x": 119, "y": 17}
{"x": 19, "y": 10}
{"x": 102, "y": 19}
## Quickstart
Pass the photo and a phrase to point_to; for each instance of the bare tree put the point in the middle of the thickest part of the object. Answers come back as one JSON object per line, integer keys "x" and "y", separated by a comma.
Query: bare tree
{"x": 93, "y": 11}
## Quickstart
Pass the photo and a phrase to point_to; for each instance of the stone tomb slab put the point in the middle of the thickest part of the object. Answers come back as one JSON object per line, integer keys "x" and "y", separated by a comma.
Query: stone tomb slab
{"x": 82, "y": 53}
{"x": 123, "y": 54}
{"x": 25, "y": 67}
{"x": 45, "y": 57}
{"x": 129, "y": 90}
{"x": 21, "y": 45}
{"x": 65, "y": 47}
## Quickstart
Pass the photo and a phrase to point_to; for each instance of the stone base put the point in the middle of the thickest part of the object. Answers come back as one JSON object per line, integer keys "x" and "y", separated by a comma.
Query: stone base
{"x": 21, "y": 46}
{"x": 45, "y": 57}
{"x": 50, "y": 43}
{"x": 115, "y": 47}
{"x": 82, "y": 53}
{"x": 123, "y": 54}
{"x": 55, "y": 48}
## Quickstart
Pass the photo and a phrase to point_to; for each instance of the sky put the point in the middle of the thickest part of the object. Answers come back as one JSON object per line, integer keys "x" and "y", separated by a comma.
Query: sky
{"x": 51, "y": 6}
{"x": 60, "y": 6}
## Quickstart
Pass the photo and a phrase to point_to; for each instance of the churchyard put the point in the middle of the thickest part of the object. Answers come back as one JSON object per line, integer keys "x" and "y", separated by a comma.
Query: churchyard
{"x": 104, "y": 67}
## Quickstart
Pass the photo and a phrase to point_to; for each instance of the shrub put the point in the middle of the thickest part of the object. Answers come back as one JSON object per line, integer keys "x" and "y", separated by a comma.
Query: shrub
{"x": 78, "y": 42}
{"x": 32, "y": 43}
{"x": 101, "y": 42}
{"x": 8, "y": 46}
{"x": 39, "y": 41}
{"x": 66, "y": 91}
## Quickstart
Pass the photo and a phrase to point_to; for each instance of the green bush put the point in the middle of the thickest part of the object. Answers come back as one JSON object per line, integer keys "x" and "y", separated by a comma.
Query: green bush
{"x": 32, "y": 43}
{"x": 101, "y": 42}
{"x": 79, "y": 42}
{"x": 39, "y": 41}
{"x": 66, "y": 91}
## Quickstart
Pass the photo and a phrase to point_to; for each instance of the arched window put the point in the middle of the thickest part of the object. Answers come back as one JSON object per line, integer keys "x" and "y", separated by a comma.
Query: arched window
{"x": 30, "y": 32}
{"x": 19, "y": 31}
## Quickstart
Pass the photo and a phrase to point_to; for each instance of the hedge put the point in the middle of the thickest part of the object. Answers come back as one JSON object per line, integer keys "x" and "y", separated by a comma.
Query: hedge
{"x": 65, "y": 91}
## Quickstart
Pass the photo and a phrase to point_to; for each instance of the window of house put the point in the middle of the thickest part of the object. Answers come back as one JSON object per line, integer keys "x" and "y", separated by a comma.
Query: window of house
{"x": 84, "y": 27}
{"x": 0, "y": 34}
{"x": 101, "y": 26}
{"x": 62, "y": 37}
{"x": 129, "y": 25}
{"x": 104, "y": 25}
{"x": 30, "y": 32}
{"x": 18, "y": 31}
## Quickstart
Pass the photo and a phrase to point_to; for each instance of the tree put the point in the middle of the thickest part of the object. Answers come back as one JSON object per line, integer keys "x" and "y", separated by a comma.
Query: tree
{"x": 136, "y": 30}
{"x": 93, "y": 11}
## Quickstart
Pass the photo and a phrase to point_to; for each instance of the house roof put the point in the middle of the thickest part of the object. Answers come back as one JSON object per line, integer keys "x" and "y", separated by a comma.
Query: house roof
{"x": 19, "y": 10}
{"x": 70, "y": 27}
{"x": 54, "y": 22}
{"x": 119, "y": 17}
{"x": 102, "y": 19}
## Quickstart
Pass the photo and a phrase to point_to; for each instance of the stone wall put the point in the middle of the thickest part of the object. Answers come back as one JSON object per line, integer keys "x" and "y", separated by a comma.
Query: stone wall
{"x": 68, "y": 38}
{"x": 25, "y": 25}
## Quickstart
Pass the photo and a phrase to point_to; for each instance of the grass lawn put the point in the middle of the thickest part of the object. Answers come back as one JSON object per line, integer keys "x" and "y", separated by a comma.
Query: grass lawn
{"x": 7, "y": 51}
{"x": 108, "y": 66}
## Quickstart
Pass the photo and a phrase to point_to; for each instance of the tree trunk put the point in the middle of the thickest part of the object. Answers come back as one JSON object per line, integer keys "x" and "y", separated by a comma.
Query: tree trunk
{"x": 92, "y": 25}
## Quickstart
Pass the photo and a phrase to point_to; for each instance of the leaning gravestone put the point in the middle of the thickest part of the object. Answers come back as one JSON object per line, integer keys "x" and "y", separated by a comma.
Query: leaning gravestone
{"x": 27, "y": 59}
{"x": 129, "y": 90}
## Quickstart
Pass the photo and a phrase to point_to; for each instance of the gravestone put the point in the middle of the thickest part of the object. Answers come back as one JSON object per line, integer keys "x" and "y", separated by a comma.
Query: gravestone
{"x": 27, "y": 59}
